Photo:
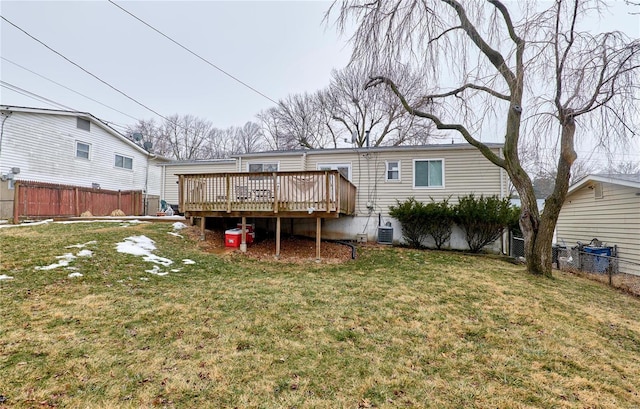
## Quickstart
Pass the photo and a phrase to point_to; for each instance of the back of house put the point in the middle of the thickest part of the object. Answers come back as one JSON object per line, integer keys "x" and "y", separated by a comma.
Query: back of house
{"x": 382, "y": 176}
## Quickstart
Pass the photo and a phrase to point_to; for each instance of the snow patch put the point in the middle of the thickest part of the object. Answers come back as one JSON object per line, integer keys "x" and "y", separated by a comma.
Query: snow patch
{"x": 79, "y": 246}
{"x": 156, "y": 270}
{"x": 175, "y": 234}
{"x": 179, "y": 226}
{"x": 187, "y": 261}
{"x": 85, "y": 253}
{"x": 5, "y": 277}
{"x": 142, "y": 246}
{"x": 26, "y": 224}
{"x": 65, "y": 259}
{"x": 73, "y": 275}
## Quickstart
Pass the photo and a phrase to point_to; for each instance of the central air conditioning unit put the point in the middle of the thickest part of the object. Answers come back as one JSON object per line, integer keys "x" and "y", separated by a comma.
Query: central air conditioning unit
{"x": 385, "y": 235}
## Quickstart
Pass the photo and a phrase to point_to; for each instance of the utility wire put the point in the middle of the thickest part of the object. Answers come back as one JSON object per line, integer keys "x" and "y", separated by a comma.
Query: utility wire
{"x": 86, "y": 71}
{"x": 193, "y": 53}
{"x": 70, "y": 89}
{"x": 33, "y": 95}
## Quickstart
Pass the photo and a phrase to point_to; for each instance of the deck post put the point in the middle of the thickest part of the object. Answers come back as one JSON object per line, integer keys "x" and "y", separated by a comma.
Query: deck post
{"x": 318, "y": 235}
{"x": 243, "y": 242}
{"x": 202, "y": 225}
{"x": 277, "y": 237}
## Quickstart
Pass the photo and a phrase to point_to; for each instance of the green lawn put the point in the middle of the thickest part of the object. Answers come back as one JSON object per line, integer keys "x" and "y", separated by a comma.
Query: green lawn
{"x": 394, "y": 328}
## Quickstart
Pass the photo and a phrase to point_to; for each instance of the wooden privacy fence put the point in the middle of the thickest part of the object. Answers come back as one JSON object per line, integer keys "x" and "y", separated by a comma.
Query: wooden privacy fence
{"x": 41, "y": 200}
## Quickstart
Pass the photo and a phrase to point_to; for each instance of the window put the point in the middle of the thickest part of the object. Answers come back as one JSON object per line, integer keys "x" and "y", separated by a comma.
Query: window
{"x": 83, "y": 124}
{"x": 428, "y": 173}
{"x": 124, "y": 162}
{"x": 82, "y": 150}
{"x": 392, "y": 171}
{"x": 263, "y": 167}
{"x": 343, "y": 168}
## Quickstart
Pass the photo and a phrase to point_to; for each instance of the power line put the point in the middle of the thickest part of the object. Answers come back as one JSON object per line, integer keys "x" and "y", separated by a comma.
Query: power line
{"x": 70, "y": 89}
{"x": 33, "y": 95}
{"x": 193, "y": 53}
{"x": 86, "y": 71}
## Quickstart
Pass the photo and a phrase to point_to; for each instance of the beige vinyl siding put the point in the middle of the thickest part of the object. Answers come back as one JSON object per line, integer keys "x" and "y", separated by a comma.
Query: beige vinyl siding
{"x": 170, "y": 190}
{"x": 613, "y": 219}
{"x": 285, "y": 162}
{"x": 465, "y": 171}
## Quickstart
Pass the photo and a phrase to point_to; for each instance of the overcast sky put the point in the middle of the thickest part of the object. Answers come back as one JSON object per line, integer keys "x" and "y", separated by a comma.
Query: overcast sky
{"x": 277, "y": 47}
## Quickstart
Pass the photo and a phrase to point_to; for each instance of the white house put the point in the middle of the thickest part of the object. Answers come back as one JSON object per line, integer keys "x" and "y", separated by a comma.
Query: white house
{"x": 70, "y": 148}
{"x": 605, "y": 207}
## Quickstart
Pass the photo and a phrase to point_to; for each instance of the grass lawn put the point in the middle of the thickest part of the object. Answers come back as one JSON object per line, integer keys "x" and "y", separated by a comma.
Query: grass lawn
{"x": 394, "y": 328}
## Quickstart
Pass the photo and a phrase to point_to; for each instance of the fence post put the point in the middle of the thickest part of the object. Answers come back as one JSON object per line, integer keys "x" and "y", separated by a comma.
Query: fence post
{"x": 16, "y": 202}
{"x": 76, "y": 202}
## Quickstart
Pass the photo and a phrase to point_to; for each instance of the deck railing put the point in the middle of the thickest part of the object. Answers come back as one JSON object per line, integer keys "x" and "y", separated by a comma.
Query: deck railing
{"x": 276, "y": 192}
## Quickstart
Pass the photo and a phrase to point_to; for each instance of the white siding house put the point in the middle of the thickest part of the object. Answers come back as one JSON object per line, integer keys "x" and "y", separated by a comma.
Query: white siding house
{"x": 71, "y": 148}
{"x": 381, "y": 175}
{"x": 606, "y": 207}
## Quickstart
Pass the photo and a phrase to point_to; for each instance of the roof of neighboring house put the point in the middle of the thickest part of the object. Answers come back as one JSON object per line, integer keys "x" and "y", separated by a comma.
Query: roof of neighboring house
{"x": 436, "y": 146}
{"x": 629, "y": 180}
{"x": 86, "y": 115}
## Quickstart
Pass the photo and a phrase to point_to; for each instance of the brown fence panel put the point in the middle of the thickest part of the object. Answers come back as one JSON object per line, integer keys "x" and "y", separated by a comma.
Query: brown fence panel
{"x": 42, "y": 200}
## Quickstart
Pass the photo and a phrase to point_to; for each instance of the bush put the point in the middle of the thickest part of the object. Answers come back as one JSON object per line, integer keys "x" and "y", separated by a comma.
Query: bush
{"x": 483, "y": 219}
{"x": 409, "y": 214}
{"x": 419, "y": 220}
{"x": 439, "y": 221}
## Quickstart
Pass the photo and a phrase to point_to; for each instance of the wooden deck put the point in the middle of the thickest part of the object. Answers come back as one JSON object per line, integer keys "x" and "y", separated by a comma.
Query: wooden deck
{"x": 309, "y": 194}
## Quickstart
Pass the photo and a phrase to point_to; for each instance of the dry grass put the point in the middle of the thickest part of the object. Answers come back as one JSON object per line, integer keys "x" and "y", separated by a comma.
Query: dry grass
{"x": 395, "y": 328}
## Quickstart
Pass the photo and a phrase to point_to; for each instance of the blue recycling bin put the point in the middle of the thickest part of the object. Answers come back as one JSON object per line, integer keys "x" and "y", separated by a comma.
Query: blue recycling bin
{"x": 600, "y": 257}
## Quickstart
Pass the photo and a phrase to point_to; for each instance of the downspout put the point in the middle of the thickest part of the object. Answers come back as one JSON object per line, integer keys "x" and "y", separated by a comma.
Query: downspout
{"x": 162, "y": 185}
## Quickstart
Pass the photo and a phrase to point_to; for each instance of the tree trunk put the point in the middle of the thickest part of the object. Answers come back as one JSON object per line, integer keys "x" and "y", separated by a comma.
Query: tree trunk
{"x": 539, "y": 239}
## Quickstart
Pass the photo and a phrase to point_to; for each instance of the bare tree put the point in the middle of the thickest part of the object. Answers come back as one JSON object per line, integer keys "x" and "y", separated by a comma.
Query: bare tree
{"x": 299, "y": 122}
{"x": 150, "y": 133}
{"x": 485, "y": 70}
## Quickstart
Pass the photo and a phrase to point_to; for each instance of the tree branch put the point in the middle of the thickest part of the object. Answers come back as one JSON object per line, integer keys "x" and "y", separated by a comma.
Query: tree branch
{"x": 484, "y": 149}
{"x": 469, "y": 86}
{"x": 494, "y": 56}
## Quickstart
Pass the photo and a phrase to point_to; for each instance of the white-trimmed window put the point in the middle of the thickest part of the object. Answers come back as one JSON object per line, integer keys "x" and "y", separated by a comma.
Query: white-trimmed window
{"x": 82, "y": 150}
{"x": 124, "y": 162}
{"x": 83, "y": 124}
{"x": 343, "y": 168}
{"x": 428, "y": 173}
{"x": 263, "y": 167}
{"x": 392, "y": 171}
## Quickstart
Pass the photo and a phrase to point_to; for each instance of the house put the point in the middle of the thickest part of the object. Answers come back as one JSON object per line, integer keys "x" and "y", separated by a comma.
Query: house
{"x": 71, "y": 148}
{"x": 375, "y": 177}
{"x": 605, "y": 207}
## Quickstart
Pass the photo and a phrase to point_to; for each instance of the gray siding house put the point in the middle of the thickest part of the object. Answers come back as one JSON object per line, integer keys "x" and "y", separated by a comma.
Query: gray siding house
{"x": 606, "y": 207}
